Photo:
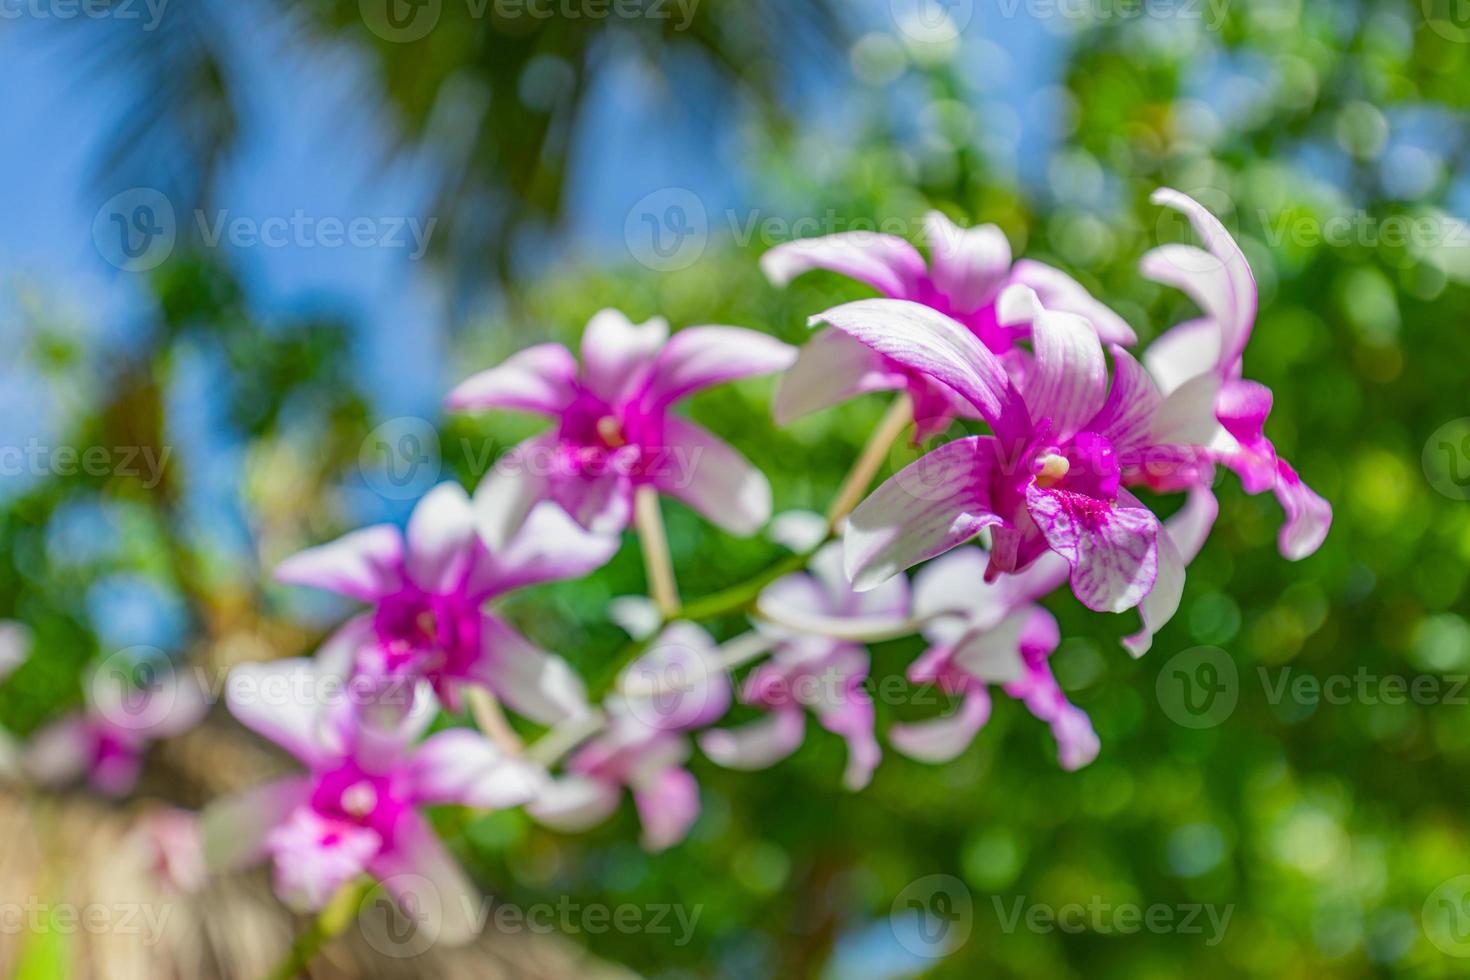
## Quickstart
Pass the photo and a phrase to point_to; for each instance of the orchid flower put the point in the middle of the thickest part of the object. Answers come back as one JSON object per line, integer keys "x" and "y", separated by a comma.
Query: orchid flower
{"x": 1049, "y": 476}
{"x": 993, "y": 633}
{"x": 968, "y": 270}
{"x": 427, "y": 587}
{"x": 678, "y": 685}
{"x": 817, "y": 665}
{"x": 356, "y": 809}
{"x": 615, "y": 429}
{"x": 107, "y": 740}
{"x": 1206, "y": 355}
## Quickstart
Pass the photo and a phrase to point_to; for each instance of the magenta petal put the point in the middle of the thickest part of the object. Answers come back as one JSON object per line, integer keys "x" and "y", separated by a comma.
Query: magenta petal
{"x": 967, "y": 265}
{"x": 887, "y": 263}
{"x": 1127, "y": 417}
{"x": 850, "y": 715}
{"x": 235, "y": 828}
{"x": 365, "y": 565}
{"x": 926, "y": 341}
{"x": 539, "y": 379}
{"x": 600, "y": 502}
{"x": 519, "y": 480}
{"x": 934, "y": 504}
{"x": 700, "y": 357}
{"x": 831, "y": 368}
{"x": 442, "y": 541}
{"x": 1185, "y": 534}
{"x": 1308, "y": 516}
{"x": 943, "y": 739}
{"x": 1059, "y": 291}
{"x": 707, "y": 474}
{"x": 1113, "y": 550}
{"x": 1068, "y": 380}
{"x": 618, "y": 355}
{"x": 668, "y": 805}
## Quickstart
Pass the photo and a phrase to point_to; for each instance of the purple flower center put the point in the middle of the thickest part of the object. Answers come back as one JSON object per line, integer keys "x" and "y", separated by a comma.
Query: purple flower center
{"x": 426, "y": 634}
{"x": 350, "y": 797}
{"x": 597, "y": 437}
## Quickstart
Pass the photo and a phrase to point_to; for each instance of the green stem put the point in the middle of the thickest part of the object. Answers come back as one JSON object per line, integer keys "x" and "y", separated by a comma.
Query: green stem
{"x": 331, "y": 922}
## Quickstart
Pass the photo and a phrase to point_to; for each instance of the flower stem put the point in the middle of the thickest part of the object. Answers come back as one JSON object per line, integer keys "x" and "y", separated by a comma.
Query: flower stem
{"x": 490, "y": 719}
{"x": 331, "y": 922}
{"x": 650, "y": 522}
{"x": 860, "y": 477}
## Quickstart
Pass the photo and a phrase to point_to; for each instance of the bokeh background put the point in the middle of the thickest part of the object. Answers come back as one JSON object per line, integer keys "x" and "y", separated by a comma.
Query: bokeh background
{"x": 644, "y": 158}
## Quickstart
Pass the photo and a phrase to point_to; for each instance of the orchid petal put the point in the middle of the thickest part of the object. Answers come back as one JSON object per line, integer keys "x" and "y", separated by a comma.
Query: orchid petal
{"x": 932, "y": 344}
{"x": 574, "y": 803}
{"x": 283, "y": 701}
{"x": 366, "y": 564}
{"x": 696, "y": 358}
{"x": 60, "y": 752}
{"x": 1113, "y": 550}
{"x": 1308, "y": 516}
{"x": 1068, "y": 382}
{"x": 549, "y": 547}
{"x": 1184, "y": 535}
{"x": 668, "y": 805}
{"x": 540, "y": 379}
{"x": 1219, "y": 281}
{"x": 1059, "y": 291}
{"x": 464, "y": 767}
{"x": 1182, "y": 352}
{"x": 442, "y": 543}
{"x": 427, "y": 883}
{"x": 618, "y": 355}
{"x": 235, "y": 828}
{"x": 1126, "y": 419}
{"x": 934, "y": 504}
{"x": 994, "y": 655}
{"x": 831, "y": 368}
{"x": 707, "y": 474}
{"x": 531, "y": 681}
{"x": 943, "y": 739}
{"x": 967, "y": 265}
{"x": 758, "y": 744}
{"x": 887, "y": 263}
{"x": 601, "y": 502}
{"x": 518, "y": 481}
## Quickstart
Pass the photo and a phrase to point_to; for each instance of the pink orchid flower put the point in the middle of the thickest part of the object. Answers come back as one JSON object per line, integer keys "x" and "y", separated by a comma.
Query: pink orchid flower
{"x": 356, "y": 809}
{"x": 968, "y": 270}
{"x": 427, "y": 586}
{"x": 1049, "y": 478}
{"x": 677, "y": 686}
{"x": 615, "y": 429}
{"x": 993, "y": 633}
{"x": 817, "y": 665}
{"x": 106, "y": 742}
{"x": 1206, "y": 356}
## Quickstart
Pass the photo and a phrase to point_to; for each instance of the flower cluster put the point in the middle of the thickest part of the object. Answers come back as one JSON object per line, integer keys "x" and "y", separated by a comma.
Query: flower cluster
{"x": 1064, "y": 424}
